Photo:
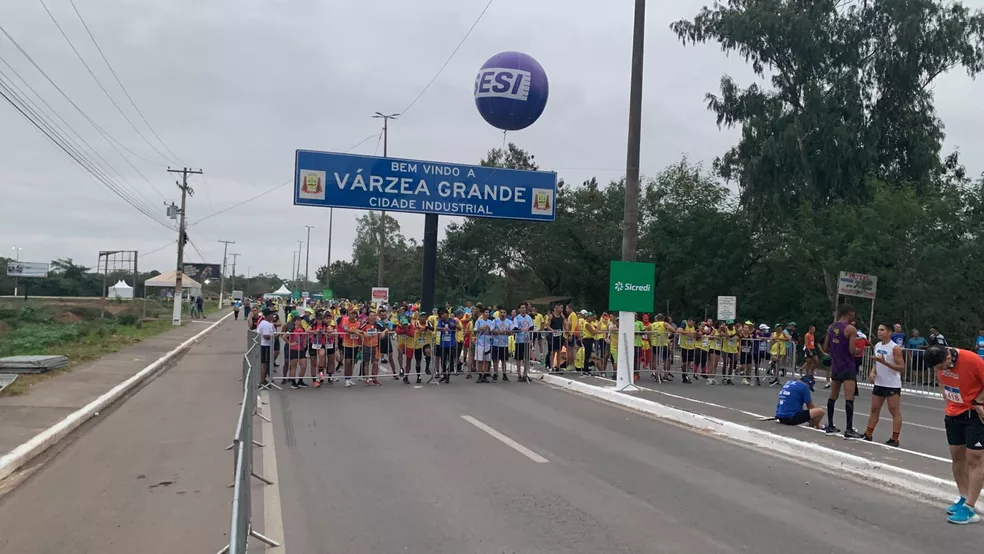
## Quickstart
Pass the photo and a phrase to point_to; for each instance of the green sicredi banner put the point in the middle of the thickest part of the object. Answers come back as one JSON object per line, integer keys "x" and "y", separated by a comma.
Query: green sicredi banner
{"x": 631, "y": 286}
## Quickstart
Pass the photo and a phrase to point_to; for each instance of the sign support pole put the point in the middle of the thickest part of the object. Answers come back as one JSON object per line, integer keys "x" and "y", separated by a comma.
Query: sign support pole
{"x": 428, "y": 280}
{"x": 871, "y": 320}
{"x": 626, "y": 352}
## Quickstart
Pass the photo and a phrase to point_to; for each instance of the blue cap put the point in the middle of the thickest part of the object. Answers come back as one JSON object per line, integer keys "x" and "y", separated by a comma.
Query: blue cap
{"x": 809, "y": 380}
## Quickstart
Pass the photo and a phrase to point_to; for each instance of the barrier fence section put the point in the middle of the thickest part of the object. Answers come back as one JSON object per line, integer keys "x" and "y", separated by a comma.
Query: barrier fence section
{"x": 242, "y": 449}
{"x": 411, "y": 352}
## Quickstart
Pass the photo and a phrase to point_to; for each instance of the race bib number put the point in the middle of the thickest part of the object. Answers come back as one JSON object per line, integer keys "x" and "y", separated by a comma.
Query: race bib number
{"x": 705, "y": 341}
{"x": 952, "y": 394}
{"x": 556, "y": 333}
{"x": 316, "y": 345}
{"x": 445, "y": 336}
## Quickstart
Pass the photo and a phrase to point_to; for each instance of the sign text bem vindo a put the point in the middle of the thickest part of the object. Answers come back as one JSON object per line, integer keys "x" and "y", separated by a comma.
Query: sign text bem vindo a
{"x": 393, "y": 184}
{"x": 632, "y": 286}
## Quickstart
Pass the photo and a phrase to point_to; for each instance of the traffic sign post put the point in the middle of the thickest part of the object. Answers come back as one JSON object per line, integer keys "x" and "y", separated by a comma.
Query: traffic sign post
{"x": 631, "y": 289}
{"x": 727, "y": 308}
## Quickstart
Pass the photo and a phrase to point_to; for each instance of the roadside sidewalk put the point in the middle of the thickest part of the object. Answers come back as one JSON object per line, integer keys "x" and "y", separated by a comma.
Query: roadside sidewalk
{"x": 150, "y": 475}
{"x": 50, "y": 401}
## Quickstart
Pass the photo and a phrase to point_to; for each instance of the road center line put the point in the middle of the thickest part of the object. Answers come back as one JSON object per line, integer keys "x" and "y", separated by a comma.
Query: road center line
{"x": 506, "y": 440}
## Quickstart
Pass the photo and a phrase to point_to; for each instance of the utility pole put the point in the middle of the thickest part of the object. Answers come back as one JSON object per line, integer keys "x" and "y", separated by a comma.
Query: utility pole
{"x": 182, "y": 237}
{"x": 293, "y": 258}
{"x": 331, "y": 221}
{"x": 630, "y": 219}
{"x": 297, "y": 274}
{"x": 233, "y": 274}
{"x": 225, "y": 250}
{"x": 248, "y": 273}
{"x": 17, "y": 251}
{"x": 307, "y": 255}
{"x": 382, "y": 219}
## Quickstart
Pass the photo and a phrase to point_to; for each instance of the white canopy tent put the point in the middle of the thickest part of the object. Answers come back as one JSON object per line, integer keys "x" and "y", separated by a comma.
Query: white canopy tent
{"x": 165, "y": 281}
{"x": 282, "y": 291}
{"x": 121, "y": 290}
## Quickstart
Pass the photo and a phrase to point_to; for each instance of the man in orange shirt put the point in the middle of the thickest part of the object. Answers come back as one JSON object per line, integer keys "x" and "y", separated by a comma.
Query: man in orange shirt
{"x": 961, "y": 376}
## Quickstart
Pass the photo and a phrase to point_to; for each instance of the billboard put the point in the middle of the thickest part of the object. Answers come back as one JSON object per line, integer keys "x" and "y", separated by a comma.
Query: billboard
{"x": 353, "y": 181}
{"x": 27, "y": 269}
{"x": 380, "y": 295}
{"x": 201, "y": 272}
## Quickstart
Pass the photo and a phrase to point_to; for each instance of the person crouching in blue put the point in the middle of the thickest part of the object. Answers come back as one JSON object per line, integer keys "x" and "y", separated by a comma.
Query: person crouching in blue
{"x": 795, "y": 406}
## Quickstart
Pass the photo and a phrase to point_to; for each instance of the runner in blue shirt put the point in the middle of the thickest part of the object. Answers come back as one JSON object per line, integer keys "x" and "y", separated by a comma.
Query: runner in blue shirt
{"x": 793, "y": 397}
{"x": 483, "y": 345}
{"x": 523, "y": 325}
{"x": 501, "y": 329}
{"x": 447, "y": 328}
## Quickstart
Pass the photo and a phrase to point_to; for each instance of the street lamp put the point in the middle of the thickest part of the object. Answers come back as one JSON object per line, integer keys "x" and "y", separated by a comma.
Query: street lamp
{"x": 17, "y": 250}
{"x": 382, "y": 219}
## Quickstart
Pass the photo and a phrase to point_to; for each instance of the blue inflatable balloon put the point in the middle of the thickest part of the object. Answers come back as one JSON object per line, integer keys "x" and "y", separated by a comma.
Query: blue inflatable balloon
{"x": 511, "y": 91}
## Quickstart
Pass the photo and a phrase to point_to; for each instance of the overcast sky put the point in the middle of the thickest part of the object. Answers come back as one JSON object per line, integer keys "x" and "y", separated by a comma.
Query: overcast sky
{"x": 234, "y": 87}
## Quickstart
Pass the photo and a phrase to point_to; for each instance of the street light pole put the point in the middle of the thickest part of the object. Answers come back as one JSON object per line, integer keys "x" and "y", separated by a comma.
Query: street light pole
{"x": 297, "y": 274}
{"x": 17, "y": 251}
{"x": 307, "y": 255}
{"x": 331, "y": 221}
{"x": 630, "y": 219}
{"x": 382, "y": 220}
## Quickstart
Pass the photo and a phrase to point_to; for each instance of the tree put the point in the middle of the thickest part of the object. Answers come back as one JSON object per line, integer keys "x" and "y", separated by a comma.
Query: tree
{"x": 850, "y": 102}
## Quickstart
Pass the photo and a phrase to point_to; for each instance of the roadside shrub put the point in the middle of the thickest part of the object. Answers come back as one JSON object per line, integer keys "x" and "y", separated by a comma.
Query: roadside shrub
{"x": 127, "y": 319}
{"x": 89, "y": 314}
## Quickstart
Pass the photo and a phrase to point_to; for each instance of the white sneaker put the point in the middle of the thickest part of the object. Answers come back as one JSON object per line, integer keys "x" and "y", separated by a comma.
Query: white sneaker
{"x": 711, "y": 382}
{"x": 745, "y": 382}
{"x": 348, "y": 383}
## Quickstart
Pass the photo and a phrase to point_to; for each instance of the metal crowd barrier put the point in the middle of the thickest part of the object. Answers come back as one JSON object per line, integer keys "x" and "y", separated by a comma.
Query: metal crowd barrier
{"x": 242, "y": 449}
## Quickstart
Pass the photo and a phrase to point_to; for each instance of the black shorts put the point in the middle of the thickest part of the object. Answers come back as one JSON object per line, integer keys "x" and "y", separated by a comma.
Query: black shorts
{"x": 857, "y": 364}
{"x": 700, "y": 357}
{"x": 297, "y": 354}
{"x": 746, "y": 359}
{"x": 265, "y": 354}
{"x": 554, "y": 343}
{"x": 369, "y": 353}
{"x": 446, "y": 351}
{"x": 965, "y": 429}
{"x": 384, "y": 345}
{"x": 330, "y": 350}
{"x": 841, "y": 376}
{"x": 661, "y": 352}
{"x": 499, "y": 353}
{"x": 276, "y": 343}
{"x": 313, "y": 352}
{"x": 687, "y": 355}
{"x": 349, "y": 352}
{"x": 810, "y": 353}
{"x": 520, "y": 350}
{"x": 418, "y": 353}
{"x": 800, "y": 418}
{"x": 885, "y": 392}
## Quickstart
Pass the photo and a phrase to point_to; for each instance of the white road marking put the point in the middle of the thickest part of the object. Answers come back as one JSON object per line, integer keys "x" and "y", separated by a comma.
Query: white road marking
{"x": 273, "y": 517}
{"x": 506, "y": 440}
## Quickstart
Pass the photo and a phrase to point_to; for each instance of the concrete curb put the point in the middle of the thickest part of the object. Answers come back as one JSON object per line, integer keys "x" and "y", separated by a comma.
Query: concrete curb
{"x": 18, "y": 457}
{"x": 896, "y": 478}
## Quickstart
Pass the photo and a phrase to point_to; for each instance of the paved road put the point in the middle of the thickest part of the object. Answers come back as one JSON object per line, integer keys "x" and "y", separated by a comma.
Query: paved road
{"x": 922, "y": 428}
{"x": 150, "y": 476}
{"x": 399, "y": 469}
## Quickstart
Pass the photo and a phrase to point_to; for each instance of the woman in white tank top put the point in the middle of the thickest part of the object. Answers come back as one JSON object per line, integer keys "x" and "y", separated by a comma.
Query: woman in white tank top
{"x": 886, "y": 374}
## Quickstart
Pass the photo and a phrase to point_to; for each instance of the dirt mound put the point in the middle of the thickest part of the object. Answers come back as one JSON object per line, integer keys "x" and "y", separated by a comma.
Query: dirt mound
{"x": 67, "y": 317}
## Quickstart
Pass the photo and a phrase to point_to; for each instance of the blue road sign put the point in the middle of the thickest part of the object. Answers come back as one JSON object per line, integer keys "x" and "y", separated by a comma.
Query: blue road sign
{"x": 335, "y": 180}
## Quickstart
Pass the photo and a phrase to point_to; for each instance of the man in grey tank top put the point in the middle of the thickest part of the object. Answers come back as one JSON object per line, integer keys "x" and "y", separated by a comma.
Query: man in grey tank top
{"x": 840, "y": 343}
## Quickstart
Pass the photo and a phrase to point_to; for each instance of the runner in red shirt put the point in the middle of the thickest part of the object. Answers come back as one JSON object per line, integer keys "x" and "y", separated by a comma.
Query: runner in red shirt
{"x": 961, "y": 376}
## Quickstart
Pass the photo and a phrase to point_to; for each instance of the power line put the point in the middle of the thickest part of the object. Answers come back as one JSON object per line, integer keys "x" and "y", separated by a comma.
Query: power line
{"x": 120, "y": 83}
{"x": 446, "y": 62}
{"x": 284, "y": 184}
{"x": 33, "y": 108}
{"x": 25, "y": 110}
{"x": 156, "y": 250}
{"x": 106, "y": 92}
{"x": 96, "y": 126}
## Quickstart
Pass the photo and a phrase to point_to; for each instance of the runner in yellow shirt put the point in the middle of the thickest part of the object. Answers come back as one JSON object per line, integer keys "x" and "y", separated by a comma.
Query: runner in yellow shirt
{"x": 688, "y": 349}
{"x": 730, "y": 350}
{"x": 660, "y": 338}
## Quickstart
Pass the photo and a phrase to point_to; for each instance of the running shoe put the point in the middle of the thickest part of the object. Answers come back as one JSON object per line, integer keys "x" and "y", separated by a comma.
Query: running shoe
{"x": 406, "y": 380}
{"x": 711, "y": 382}
{"x": 505, "y": 378}
{"x": 852, "y": 434}
{"x": 686, "y": 379}
{"x": 294, "y": 385}
{"x": 866, "y": 438}
{"x": 964, "y": 515}
{"x": 348, "y": 383}
{"x": 418, "y": 380}
{"x": 892, "y": 442}
{"x": 376, "y": 383}
{"x": 955, "y": 506}
{"x": 495, "y": 378}
{"x": 396, "y": 377}
{"x": 831, "y": 430}
{"x": 302, "y": 384}
{"x": 316, "y": 383}
{"x": 746, "y": 382}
